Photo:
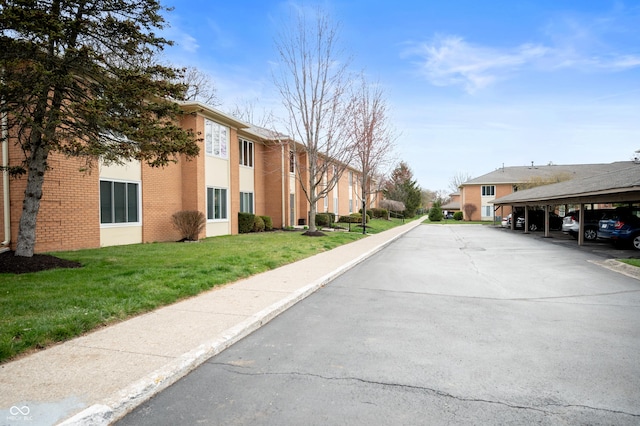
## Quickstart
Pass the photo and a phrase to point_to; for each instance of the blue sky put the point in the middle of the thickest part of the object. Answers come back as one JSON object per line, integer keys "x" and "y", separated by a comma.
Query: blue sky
{"x": 472, "y": 85}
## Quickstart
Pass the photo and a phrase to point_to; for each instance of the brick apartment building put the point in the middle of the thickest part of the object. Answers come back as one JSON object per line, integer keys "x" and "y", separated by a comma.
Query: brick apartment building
{"x": 239, "y": 168}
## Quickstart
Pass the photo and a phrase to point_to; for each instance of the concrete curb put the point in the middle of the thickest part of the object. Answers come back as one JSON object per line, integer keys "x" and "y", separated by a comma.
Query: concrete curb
{"x": 119, "y": 405}
{"x": 620, "y": 267}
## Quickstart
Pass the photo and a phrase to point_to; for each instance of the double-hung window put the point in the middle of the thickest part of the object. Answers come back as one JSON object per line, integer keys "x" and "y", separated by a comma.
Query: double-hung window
{"x": 119, "y": 202}
{"x": 216, "y": 203}
{"x": 488, "y": 190}
{"x": 246, "y": 202}
{"x": 246, "y": 153}
{"x": 216, "y": 138}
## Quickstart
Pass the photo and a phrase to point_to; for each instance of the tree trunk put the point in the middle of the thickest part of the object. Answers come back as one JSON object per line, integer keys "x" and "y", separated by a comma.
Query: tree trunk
{"x": 31, "y": 204}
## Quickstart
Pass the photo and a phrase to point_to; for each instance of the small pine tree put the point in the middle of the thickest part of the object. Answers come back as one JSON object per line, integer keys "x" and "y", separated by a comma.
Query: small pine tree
{"x": 435, "y": 213}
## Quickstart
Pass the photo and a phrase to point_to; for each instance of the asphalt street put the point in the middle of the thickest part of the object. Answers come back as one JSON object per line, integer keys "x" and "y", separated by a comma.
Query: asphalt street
{"x": 447, "y": 325}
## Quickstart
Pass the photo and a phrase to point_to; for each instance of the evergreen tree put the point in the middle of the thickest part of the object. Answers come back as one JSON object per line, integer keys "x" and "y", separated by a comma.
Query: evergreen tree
{"x": 79, "y": 78}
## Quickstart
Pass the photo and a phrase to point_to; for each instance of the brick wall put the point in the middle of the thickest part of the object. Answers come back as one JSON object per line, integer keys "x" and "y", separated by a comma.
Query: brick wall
{"x": 68, "y": 218}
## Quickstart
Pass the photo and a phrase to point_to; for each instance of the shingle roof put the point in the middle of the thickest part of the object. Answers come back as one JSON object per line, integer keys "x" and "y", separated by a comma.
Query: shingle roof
{"x": 623, "y": 179}
{"x": 521, "y": 174}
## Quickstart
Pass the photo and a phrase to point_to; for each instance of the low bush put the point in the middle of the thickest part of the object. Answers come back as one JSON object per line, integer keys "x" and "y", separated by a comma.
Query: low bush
{"x": 322, "y": 219}
{"x": 353, "y": 218}
{"x": 190, "y": 223}
{"x": 258, "y": 224}
{"x": 380, "y": 213}
{"x": 245, "y": 223}
{"x": 268, "y": 223}
{"x": 457, "y": 216}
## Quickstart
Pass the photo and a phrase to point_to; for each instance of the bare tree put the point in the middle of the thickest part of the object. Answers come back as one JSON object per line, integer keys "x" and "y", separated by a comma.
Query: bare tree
{"x": 458, "y": 179}
{"x": 200, "y": 86}
{"x": 312, "y": 81}
{"x": 245, "y": 110}
{"x": 373, "y": 136}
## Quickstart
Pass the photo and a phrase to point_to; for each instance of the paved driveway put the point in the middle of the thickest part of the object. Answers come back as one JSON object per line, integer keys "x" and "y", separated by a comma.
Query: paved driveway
{"x": 460, "y": 324}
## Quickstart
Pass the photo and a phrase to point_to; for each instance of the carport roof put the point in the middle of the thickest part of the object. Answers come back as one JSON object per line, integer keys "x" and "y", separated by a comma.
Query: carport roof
{"x": 621, "y": 185}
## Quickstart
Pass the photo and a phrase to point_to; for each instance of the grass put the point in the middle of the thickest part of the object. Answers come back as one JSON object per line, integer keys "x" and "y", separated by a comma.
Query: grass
{"x": 632, "y": 262}
{"x": 115, "y": 283}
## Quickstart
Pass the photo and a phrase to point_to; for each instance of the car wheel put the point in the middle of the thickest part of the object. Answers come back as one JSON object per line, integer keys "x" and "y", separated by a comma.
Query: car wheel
{"x": 590, "y": 234}
{"x": 636, "y": 242}
{"x": 533, "y": 227}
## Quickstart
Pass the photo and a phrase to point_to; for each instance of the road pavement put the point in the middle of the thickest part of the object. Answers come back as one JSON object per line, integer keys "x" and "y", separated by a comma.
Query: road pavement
{"x": 446, "y": 325}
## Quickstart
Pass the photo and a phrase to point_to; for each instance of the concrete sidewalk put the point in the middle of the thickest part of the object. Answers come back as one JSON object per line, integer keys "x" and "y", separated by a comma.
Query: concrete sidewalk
{"x": 98, "y": 378}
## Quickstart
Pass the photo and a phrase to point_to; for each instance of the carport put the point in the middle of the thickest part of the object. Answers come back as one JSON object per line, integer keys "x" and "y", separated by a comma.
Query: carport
{"x": 620, "y": 186}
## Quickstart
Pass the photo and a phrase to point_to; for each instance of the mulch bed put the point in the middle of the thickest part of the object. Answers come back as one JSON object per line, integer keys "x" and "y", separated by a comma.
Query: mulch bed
{"x": 12, "y": 264}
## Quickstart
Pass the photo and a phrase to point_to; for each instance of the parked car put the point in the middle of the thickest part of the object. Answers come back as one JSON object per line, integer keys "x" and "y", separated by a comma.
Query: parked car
{"x": 506, "y": 221}
{"x": 571, "y": 222}
{"x": 623, "y": 228}
{"x": 536, "y": 221}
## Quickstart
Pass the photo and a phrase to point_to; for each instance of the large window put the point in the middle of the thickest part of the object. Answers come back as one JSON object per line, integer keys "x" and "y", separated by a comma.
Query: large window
{"x": 119, "y": 202}
{"x": 216, "y": 203}
{"x": 292, "y": 162}
{"x": 486, "y": 211}
{"x": 246, "y": 153}
{"x": 216, "y": 138}
{"x": 246, "y": 202}
{"x": 488, "y": 190}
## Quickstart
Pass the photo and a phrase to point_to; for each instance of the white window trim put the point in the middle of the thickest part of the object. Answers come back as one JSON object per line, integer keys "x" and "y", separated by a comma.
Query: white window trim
{"x": 214, "y": 207}
{"x": 253, "y": 201}
{"x": 122, "y": 224}
{"x": 242, "y": 154}
{"x": 211, "y": 128}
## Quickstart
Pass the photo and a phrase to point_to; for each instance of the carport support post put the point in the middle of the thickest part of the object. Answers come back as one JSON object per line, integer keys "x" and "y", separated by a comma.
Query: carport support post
{"x": 581, "y": 225}
{"x": 546, "y": 221}
{"x": 526, "y": 219}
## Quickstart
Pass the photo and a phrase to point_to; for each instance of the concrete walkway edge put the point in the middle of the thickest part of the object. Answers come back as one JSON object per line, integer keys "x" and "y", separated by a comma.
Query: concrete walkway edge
{"x": 126, "y": 400}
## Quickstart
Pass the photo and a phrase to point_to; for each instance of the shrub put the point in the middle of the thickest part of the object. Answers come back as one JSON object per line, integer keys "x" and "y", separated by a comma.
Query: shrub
{"x": 258, "y": 224}
{"x": 457, "y": 216}
{"x": 352, "y": 218}
{"x": 322, "y": 219}
{"x": 245, "y": 223}
{"x": 268, "y": 223}
{"x": 435, "y": 214}
{"x": 190, "y": 223}
{"x": 379, "y": 213}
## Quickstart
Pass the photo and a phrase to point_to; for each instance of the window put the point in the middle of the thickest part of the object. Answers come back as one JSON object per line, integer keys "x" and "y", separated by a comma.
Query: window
{"x": 215, "y": 139}
{"x": 246, "y": 202}
{"x": 350, "y": 178}
{"x": 119, "y": 202}
{"x": 246, "y": 153}
{"x": 488, "y": 190}
{"x": 486, "y": 211}
{"x": 216, "y": 203}
{"x": 292, "y": 162}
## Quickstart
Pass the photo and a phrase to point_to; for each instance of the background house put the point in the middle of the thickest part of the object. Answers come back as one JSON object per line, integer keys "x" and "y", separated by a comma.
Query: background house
{"x": 477, "y": 194}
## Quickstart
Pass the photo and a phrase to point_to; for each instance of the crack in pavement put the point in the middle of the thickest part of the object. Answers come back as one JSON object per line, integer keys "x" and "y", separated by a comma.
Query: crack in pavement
{"x": 430, "y": 390}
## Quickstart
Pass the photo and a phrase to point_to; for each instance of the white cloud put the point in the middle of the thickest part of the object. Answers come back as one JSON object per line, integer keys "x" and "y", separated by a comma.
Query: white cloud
{"x": 450, "y": 60}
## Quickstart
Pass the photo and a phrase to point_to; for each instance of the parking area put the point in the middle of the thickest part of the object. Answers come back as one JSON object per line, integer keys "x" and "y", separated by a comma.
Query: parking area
{"x": 601, "y": 248}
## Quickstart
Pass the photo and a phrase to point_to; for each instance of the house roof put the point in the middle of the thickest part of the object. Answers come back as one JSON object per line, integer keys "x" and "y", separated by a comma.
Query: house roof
{"x": 521, "y": 174}
{"x": 229, "y": 120}
{"x": 621, "y": 183}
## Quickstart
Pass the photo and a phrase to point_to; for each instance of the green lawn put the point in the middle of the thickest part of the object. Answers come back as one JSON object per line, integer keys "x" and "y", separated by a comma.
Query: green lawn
{"x": 115, "y": 283}
{"x": 632, "y": 262}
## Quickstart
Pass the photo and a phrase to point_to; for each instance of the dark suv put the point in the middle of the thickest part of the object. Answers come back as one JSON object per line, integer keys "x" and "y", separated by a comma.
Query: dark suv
{"x": 623, "y": 227}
